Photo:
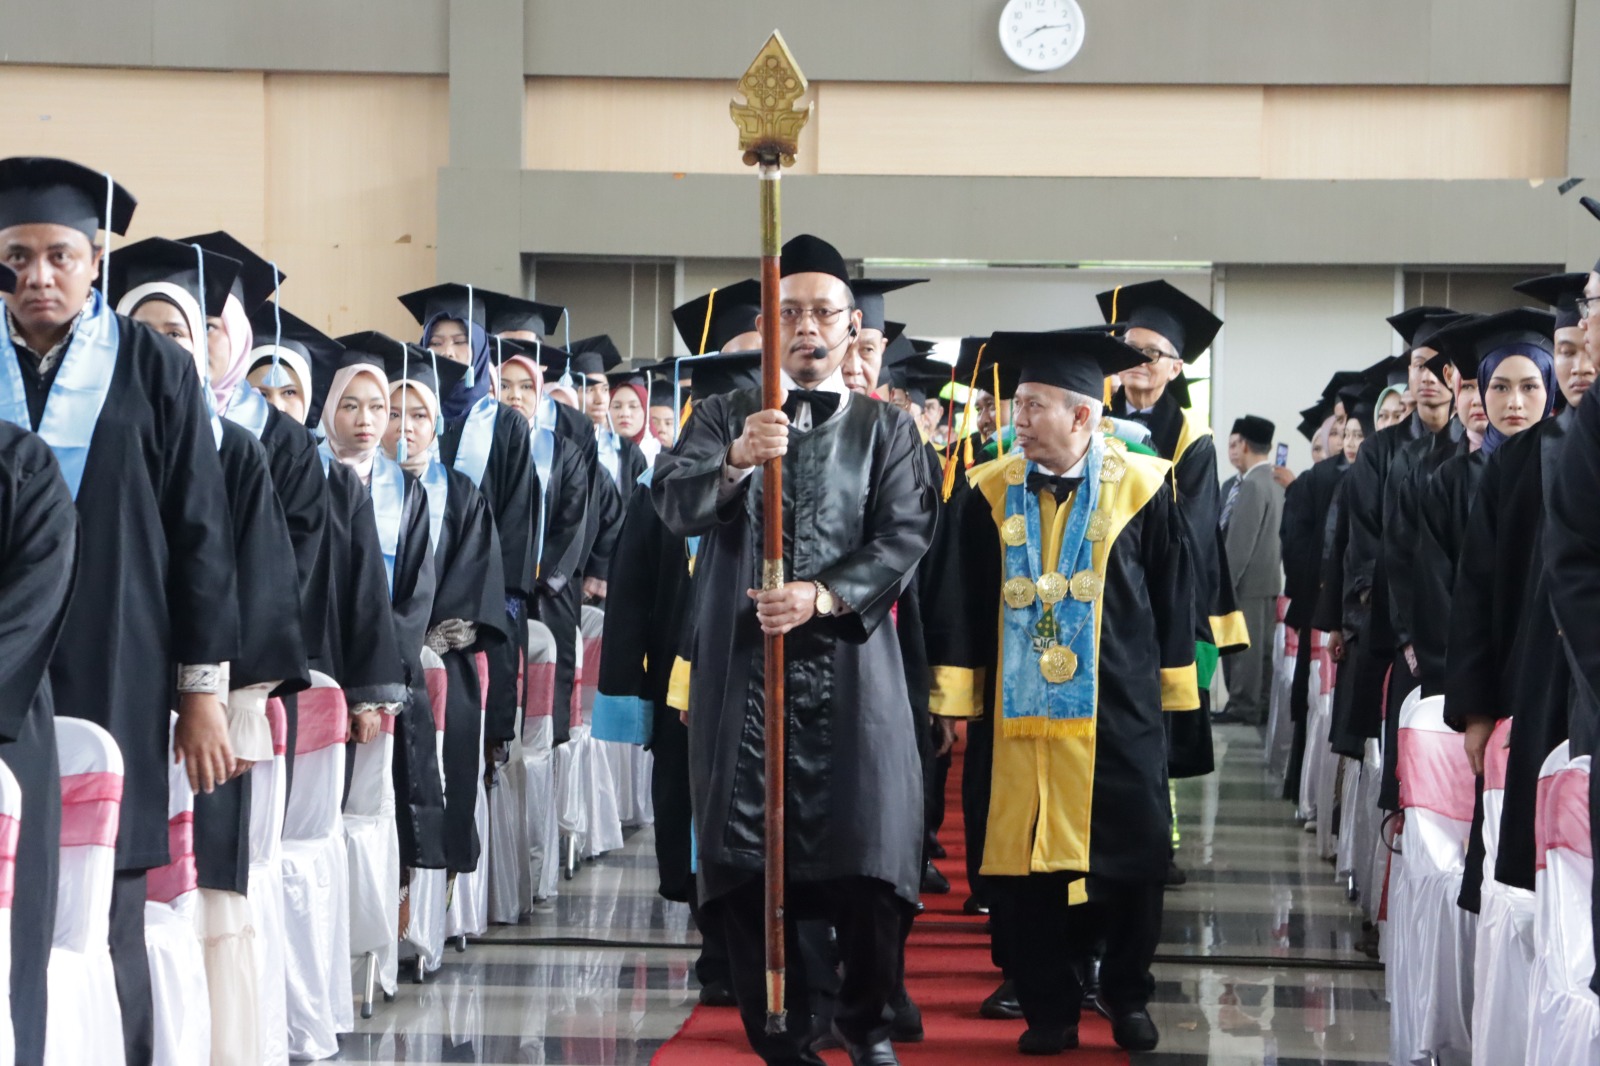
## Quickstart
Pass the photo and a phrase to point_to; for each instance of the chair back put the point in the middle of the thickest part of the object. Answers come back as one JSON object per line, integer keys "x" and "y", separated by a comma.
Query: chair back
{"x": 323, "y": 727}
{"x": 171, "y": 883}
{"x": 91, "y": 808}
{"x": 539, "y": 673}
{"x": 1437, "y": 785}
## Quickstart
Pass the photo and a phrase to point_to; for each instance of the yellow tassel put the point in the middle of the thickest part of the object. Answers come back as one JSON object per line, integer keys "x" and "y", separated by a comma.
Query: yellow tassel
{"x": 705, "y": 330}
{"x": 1046, "y": 728}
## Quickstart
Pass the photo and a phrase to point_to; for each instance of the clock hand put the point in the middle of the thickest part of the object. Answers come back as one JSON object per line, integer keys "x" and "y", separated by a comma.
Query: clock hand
{"x": 1040, "y": 29}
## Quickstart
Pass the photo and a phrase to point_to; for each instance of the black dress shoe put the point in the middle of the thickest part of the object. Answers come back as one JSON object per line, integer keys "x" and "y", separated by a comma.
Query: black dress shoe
{"x": 717, "y": 994}
{"x": 1175, "y": 874}
{"x": 1002, "y": 1004}
{"x": 974, "y": 906}
{"x": 1048, "y": 1041}
{"x": 879, "y": 1054}
{"x": 934, "y": 883}
{"x": 907, "y": 1025}
{"x": 1135, "y": 1031}
{"x": 936, "y": 850}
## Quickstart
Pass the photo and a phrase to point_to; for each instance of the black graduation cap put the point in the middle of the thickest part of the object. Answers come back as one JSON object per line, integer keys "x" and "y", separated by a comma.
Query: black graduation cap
{"x": 591, "y": 356}
{"x": 662, "y": 394}
{"x": 1469, "y": 341}
{"x": 713, "y": 374}
{"x": 632, "y": 376}
{"x": 41, "y": 190}
{"x": 1255, "y": 430}
{"x": 8, "y": 279}
{"x": 806, "y": 254}
{"x": 1416, "y": 325}
{"x": 158, "y": 259}
{"x": 449, "y": 299}
{"x": 1312, "y": 418}
{"x": 416, "y": 363}
{"x": 270, "y": 321}
{"x": 732, "y": 310}
{"x": 353, "y": 348}
{"x": 868, "y": 293}
{"x": 919, "y": 377}
{"x": 1162, "y": 307}
{"x": 1390, "y": 370}
{"x": 546, "y": 355}
{"x": 898, "y": 350}
{"x": 505, "y": 313}
{"x": 1593, "y": 207}
{"x": 258, "y": 279}
{"x": 968, "y": 360}
{"x": 1076, "y": 360}
{"x": 1560, "y": 291}
{"x": 1341, "y": 380}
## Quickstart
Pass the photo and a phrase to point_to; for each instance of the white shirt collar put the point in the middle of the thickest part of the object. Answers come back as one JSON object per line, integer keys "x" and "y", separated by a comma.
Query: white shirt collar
{"x": 1256, "y": 466}
{"x": 833, "y": 383}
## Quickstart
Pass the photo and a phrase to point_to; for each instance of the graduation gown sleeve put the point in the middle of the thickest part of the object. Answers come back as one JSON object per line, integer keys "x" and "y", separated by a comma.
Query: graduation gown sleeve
{"x": 364, "y": 653}
{"x": 605, "y": 512}
{"x": 1474, "y": 659}
{"x": 1572, "y": 546}
{"x": 302, "y": 491}
{"x": 419, "y": 792}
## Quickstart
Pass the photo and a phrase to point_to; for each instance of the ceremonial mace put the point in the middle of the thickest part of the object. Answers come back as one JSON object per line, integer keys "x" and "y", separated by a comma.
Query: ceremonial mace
{"x": 769, "y": 124}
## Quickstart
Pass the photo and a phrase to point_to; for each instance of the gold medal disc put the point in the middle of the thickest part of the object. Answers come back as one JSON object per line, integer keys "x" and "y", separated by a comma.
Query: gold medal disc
{"x": 1016, "y": 471}
{"x": 1058, "y": 664}
{"x": 1052, "y": 587}
{"x": 1019, "y": 593}
{"x": 1014, "y": 531}
{"x": 1099, "y": 526}
{"x": 1112, "y": 467}
{"x": 1087, "y": 586}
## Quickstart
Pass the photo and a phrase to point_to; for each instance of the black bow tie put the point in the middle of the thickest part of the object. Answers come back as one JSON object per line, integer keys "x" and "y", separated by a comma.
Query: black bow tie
{"x": 823, "y": 404}
{"x": 1141, "y": 416}
{"x": 1058, "y": 486}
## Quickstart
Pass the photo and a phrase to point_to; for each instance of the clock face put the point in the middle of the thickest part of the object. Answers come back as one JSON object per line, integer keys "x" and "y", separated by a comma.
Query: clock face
{"x": 1041, "y": 34}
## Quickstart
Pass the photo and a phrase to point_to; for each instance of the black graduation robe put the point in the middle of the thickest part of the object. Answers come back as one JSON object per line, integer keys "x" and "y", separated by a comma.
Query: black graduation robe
{"x": 1037, "y": 817}
{"x": 469, "y": 588}
{"x": 38, "y": 558}
{"x": 510, "y": 486}
{"x": 859, "y": 512}
{"x": 155, "y": 570}
{"x": 360, "y": 649}
{"x": 1442, "y": 512}
{"x": 1302, "y": 532}
{"x": 271, "y": 644}
{"x": 610, "y": 505}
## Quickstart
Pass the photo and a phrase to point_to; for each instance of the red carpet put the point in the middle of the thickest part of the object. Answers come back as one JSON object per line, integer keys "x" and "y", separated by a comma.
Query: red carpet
{"x": 948, "y": 974}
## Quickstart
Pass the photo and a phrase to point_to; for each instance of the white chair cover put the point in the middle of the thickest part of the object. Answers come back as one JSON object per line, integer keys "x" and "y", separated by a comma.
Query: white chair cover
{"x": 1280, "y": 722}
{"x": 1316, "y": 775}
{"x": 178, "y": 988}
{"x": 316, "y": 878}
{"x": 1429, "y": 973}
{"x": 602, "y": 816}
{"x": 1371, "y": 853}
{"x": 374, "y": 854}
{"x": 1564, "y": 1016}
{"x": 424, "y": 936}
{"x": 10, "y": 825}
{"x": 1501, "y": 968}
{"x": 540, "y": 825}
{"x": 468, "y": 913}
{"x": 85, "y": 1022}
{"x": 268, "y": 797}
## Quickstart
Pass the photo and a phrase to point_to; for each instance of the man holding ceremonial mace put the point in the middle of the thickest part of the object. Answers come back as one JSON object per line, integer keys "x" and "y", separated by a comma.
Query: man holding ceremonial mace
{"x": 814, "y": 507}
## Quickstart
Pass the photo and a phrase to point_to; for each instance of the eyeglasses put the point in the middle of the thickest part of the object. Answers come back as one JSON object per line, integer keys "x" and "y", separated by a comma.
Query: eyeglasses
{"x": 822, "y": 316}
{"x": 1155, "y": 355}
{"x": 1588, "y": 305}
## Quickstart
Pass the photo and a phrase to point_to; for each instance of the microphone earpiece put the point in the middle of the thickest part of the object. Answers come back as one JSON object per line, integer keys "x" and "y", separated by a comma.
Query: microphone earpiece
{"x": 852, "y": 331}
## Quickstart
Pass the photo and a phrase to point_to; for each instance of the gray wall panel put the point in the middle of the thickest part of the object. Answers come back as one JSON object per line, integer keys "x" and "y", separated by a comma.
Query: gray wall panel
{"x": 1057, "y": 220}
{"x": 1247, "y": 42}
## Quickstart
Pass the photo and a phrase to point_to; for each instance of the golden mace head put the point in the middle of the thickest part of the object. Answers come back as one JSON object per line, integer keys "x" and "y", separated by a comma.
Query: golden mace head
{"x": 770, "y": 118}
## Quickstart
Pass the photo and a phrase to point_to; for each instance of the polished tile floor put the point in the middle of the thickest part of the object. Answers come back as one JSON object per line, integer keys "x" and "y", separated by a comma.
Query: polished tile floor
{"x": 1257, "y": 963}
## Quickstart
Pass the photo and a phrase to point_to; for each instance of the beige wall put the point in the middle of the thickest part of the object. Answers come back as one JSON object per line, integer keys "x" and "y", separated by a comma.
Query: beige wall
{"x": 333, "y": 175}
{"x": 1203, "y": 131}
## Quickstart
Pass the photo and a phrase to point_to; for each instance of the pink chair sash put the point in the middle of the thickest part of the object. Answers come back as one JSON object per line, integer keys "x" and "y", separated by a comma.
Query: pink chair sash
{"x": 1327, "y": 669}
{"x": 591, "y": 663}
{"x": 1283, "y": 608}
{"x": 278, "y": 719}
{"x": 386, "y": 723}
{"x": 1434, "y": 774}
{"x": 90, "y": 805}
{"x": 1291, "y": 642}
{"x": 8, "y": 859}
{"x": 167, "y": 883}
{"x": 481, "y": 662}
{"x": 1497, "y": 755}
{"x": 1564, "y": 814}
{"x": 324, "y": 720}
{"x": 540, "y": 698}
{"x": 438, "y": 681}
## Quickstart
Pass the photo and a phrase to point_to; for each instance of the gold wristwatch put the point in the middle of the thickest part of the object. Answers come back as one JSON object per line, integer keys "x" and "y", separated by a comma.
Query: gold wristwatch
{"x": 826, "y": 604}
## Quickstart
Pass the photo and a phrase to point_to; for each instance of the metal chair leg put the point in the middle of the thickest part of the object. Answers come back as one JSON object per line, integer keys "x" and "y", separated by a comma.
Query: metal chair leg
{"x": 461, "y": 943}
{"x": 369, "y": 985}
{"x": 569, "y": 868}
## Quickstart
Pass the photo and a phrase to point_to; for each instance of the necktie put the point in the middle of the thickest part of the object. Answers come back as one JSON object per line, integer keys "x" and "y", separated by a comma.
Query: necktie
{"x": 1227, "y": 505}
{"x": 823, "y": 404}
{"x": 1058, "y": 486}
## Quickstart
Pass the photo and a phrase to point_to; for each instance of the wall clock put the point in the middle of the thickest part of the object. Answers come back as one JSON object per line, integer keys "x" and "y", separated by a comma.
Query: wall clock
{"x": 1041, "y": 35}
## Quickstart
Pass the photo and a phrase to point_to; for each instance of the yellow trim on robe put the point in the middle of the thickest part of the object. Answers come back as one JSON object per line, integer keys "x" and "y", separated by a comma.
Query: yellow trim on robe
{"x": 1228, "y": 632}
{"x": 1180, "y": 689}
{"x": 1077, "y": 892}
{"x": 954, "y": 693}
{"x": 678, "y": 685}
{"x": 1041, "y": 798}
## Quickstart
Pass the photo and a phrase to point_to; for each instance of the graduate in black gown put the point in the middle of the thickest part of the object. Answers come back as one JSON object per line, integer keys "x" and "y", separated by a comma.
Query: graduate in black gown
{"x": 354, "y": 416}
{"x": 488, "y": 442}
{"x": 123, "y": 410}
{"x": 469, "y": 614}
{"x": 38, "y": 558}
{"x": 860, "y": 499}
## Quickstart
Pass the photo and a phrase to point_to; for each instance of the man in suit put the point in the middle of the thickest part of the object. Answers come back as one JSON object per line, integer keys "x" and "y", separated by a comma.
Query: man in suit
{"x": 1252, "y": 508}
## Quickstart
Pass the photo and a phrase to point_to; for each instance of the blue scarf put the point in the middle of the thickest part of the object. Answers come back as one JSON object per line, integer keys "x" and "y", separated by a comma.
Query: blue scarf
{"x": 475, "y": 385}
{"x": 1493, "y": 438}
{"x": 72, "y": 409}
{"x": 1032, "y": 706}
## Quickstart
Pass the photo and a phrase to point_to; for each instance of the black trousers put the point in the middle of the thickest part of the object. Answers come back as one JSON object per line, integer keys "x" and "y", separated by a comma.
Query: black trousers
{"x": 131, "y": 964}
{"x": 1046, "y": 943}
{"x": 712, "y": 965}
{"x": 869, "y": 919}
{"x": 1299, "y": 710}
{"x": 562, "y": 612}
{"x": 976, "y": 774}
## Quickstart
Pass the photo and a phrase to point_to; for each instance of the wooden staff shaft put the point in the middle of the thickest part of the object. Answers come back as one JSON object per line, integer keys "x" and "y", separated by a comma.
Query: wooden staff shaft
{"x": 772, "y": 577}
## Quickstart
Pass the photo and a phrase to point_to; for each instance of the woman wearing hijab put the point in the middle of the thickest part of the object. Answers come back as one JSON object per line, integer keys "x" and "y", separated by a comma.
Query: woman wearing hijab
{"x": 163, "y": 282}
{"x": 354, "y": 414}
{"x": 469, "y": 613}
{"x": 630, "y": 415}
{"x": 488, "y": 442}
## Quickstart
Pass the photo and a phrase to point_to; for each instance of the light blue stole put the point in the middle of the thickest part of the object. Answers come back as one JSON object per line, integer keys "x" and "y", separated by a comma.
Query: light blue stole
{"x": 78, "y": 394}
{"x": 477, "y": 438}
{"x": 436, "y": 480}
{"x": 248, "y": 408}
{"x": 388, "y": 491}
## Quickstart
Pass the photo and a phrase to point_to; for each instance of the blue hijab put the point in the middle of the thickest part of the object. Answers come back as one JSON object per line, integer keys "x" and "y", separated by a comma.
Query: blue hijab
{"x": 474, "y": 386}
{"x": 1492, "y": 437}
